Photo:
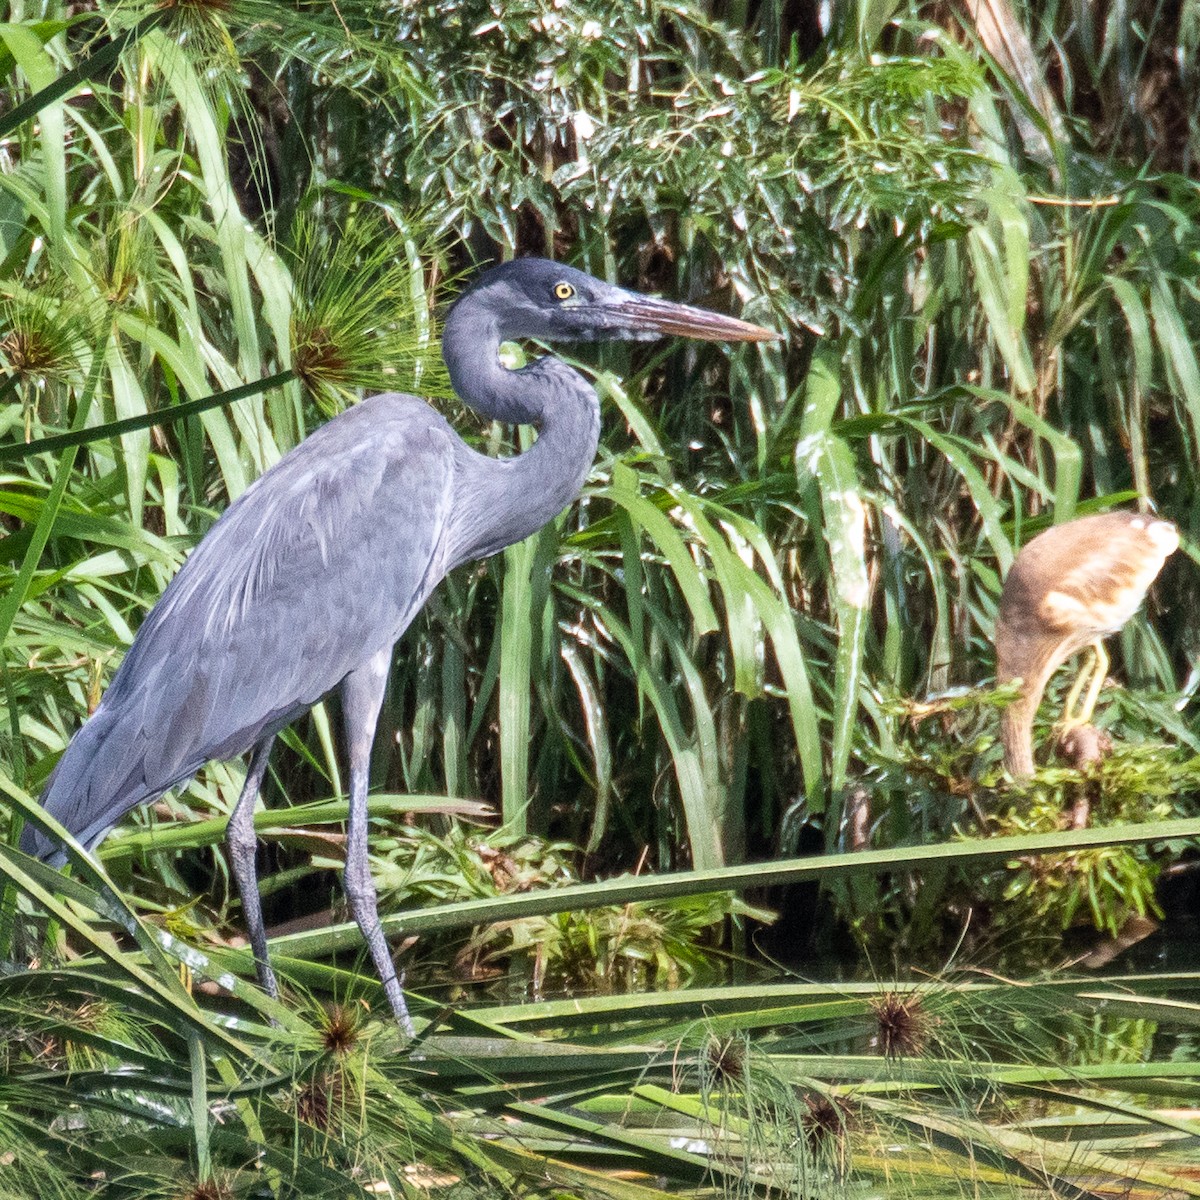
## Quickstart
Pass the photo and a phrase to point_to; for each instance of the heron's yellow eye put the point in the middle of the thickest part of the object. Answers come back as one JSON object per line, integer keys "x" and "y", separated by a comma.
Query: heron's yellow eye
{"x": 564, "y": 291}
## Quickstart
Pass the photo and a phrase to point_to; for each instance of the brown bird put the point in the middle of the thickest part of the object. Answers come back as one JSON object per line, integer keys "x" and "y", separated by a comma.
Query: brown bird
{"x": 1069, "y": 588}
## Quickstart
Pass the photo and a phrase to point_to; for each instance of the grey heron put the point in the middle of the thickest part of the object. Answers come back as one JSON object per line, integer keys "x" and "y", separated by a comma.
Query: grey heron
{"x": 305, "y": 583}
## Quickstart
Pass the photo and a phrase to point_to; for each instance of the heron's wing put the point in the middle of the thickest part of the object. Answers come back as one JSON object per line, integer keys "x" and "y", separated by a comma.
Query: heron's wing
{"x": 1106, "y": 570}
{"x": 321, "y": 564}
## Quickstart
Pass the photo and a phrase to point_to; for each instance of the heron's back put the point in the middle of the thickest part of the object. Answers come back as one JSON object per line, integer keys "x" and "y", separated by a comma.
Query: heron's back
{"x": 317, "y": 567}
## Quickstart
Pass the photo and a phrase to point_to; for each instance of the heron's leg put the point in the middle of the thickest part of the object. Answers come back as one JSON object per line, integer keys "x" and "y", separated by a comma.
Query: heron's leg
{"x": 362, "y": 696}
{"x": 242, "y": 845}
{"x": 1093, "y": 674}
{"x": 1069, "y": 720}
{"x": 1099, "y": 675}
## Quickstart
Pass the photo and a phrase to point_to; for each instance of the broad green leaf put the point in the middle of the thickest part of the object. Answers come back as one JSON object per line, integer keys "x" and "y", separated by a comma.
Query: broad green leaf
{"x": 966, "y": 853}
{"x": 845, "y": 533}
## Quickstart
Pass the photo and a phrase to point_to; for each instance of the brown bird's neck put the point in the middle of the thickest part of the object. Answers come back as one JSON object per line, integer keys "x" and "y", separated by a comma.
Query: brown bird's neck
{"x": 1033, "y": 665}
{"x": 1016, "y": 735}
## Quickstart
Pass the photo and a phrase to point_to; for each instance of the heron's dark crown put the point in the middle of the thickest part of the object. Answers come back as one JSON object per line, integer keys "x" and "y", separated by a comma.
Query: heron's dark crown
{"x": 538, "y": 298}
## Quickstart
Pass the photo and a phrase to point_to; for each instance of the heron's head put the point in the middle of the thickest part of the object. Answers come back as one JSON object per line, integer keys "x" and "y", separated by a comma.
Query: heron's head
{"x": 536, "y": 298}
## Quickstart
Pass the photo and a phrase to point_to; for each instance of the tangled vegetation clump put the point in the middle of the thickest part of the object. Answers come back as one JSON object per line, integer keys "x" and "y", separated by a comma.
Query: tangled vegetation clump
{"x": 1103, "y": 885}
{"x": 1020, "y": 913}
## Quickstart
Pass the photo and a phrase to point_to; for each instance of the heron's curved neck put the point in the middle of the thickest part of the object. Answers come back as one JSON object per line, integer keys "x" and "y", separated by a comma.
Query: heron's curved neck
{"x": 511, "y": 498}
{"x": 1016, "y": 735}
{"x": 1033, "y": 664}
{"x": 471, "y": 347}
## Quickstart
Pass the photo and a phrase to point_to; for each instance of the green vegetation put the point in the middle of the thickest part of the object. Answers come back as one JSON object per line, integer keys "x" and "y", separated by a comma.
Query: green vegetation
{"x": 220, "y": 221}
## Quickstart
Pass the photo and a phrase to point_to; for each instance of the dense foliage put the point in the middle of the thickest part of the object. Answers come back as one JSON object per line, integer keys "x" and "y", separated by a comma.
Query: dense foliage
{"x": 979, "y": 236}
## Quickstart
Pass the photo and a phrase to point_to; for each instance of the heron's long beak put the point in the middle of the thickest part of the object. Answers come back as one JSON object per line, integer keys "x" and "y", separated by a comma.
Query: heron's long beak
{"x": 647, "y": 315}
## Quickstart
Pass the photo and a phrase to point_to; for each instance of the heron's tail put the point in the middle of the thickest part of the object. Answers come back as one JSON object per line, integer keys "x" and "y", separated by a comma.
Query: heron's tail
{"x": 100, "y": 777}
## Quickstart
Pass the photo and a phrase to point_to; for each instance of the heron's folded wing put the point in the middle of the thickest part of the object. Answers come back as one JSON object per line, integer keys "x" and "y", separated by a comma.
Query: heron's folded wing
{"x": 318, "y": 566}
{"x": 1104, "y": 584}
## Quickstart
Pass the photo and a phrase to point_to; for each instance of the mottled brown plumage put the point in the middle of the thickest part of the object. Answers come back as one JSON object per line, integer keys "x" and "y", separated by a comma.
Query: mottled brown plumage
{"x": 1069, "y": 588}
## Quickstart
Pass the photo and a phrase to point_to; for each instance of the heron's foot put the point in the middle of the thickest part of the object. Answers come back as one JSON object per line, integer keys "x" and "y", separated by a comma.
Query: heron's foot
{"x": 1066, "y": 725}
{"x": 1080, "y": 746}
{"x": 1071, "y": 722}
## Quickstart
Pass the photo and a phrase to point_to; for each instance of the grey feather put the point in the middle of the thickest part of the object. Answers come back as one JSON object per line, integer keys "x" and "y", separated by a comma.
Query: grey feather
{"x": 263, "y": 619}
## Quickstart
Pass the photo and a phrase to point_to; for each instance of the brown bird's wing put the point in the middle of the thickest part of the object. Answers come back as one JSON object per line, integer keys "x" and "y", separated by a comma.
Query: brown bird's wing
{"x": 1104, "y": 572}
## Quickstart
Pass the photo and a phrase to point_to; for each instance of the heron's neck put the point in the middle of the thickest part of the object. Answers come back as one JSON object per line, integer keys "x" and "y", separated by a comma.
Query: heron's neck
{"x": 1021, "y": 658}
{"x": 505, "y": 500}
{"x": 471, "y": 347}
{"x": 1016, "y": 735}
